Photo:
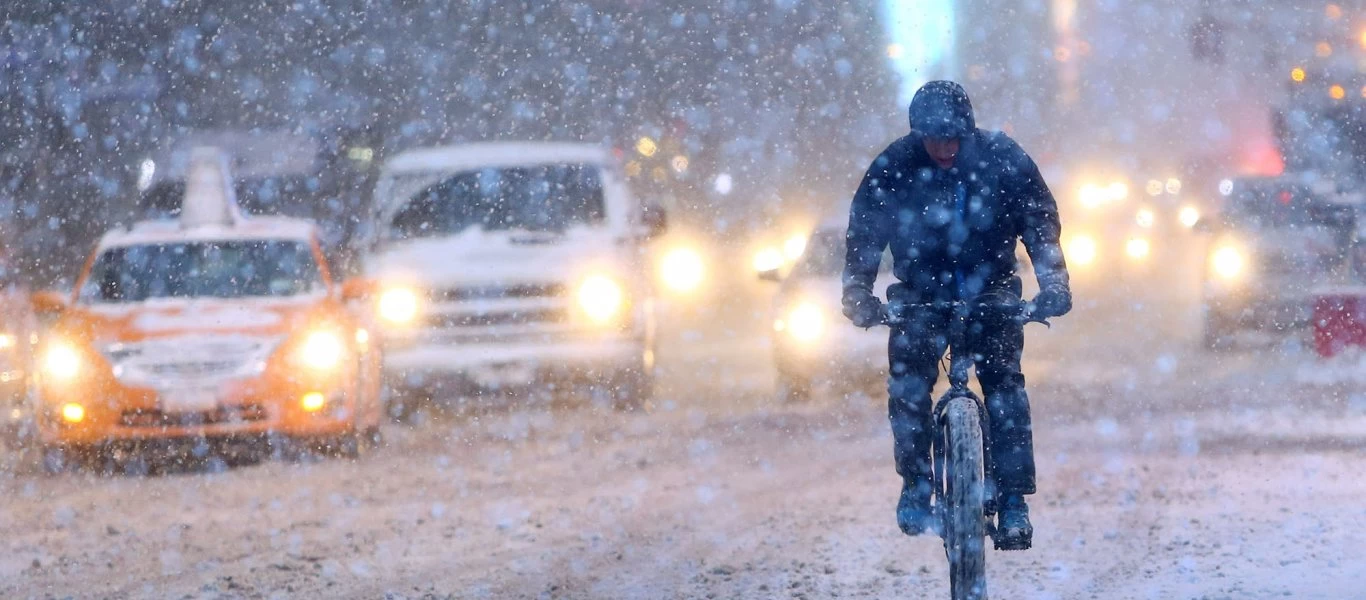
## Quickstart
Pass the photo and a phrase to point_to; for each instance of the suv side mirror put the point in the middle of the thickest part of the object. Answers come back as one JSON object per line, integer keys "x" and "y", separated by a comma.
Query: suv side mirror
{"x": 655, "y": 220}
{"x": 356, "y": 289}
{"x": 48, "y": 303}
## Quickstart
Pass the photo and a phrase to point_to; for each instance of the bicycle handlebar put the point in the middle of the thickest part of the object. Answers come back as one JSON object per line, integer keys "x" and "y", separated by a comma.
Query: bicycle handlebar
{"x": 1024, "y": 311}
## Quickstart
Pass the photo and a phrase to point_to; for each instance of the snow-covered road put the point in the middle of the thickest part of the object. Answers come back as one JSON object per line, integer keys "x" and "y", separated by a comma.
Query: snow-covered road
{"x": 1164, "y": 473}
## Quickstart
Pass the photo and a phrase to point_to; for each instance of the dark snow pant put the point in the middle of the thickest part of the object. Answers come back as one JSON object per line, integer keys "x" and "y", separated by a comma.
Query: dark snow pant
{"x": 915, "y": 350}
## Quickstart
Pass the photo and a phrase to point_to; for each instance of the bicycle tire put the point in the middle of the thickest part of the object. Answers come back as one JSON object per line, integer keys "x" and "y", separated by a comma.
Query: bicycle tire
{"x": 965, "y": 496}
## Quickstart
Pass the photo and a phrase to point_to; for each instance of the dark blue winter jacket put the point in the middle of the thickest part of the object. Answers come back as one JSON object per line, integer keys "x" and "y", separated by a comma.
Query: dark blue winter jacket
{"x": 952, "y": 232}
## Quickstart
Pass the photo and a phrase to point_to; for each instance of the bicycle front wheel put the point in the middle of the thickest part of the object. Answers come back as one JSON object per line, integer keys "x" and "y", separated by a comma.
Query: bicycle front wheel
{"x": 964, "y": 499}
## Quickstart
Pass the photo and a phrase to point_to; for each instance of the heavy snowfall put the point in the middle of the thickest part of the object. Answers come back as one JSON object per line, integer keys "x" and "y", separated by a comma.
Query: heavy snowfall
{"x": 406, "y": 299}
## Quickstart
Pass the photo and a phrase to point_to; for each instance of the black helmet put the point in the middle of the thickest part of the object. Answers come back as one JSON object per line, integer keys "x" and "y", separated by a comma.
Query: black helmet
{"x": 941, "y": 109}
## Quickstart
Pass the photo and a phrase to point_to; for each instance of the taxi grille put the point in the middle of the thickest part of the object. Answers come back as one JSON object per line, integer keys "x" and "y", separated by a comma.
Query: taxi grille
{"x": 193, "y": 369}
{"x": 156, "y": 418}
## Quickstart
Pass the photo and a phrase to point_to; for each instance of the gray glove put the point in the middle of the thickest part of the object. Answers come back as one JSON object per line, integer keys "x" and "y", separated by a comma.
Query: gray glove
{"x": 1053, "y": 301}
{"x": 864, "y": 310}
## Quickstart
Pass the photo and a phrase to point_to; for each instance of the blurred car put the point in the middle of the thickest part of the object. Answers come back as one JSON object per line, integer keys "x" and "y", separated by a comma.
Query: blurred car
{"x": 1113, "y": 229}
{"x": 1275, "y": 240}
{"x": 502, "y": 265}
{"x": 211, "y": 327}
{"x": 18, "y": 333}
{"x": 813, "y": 343}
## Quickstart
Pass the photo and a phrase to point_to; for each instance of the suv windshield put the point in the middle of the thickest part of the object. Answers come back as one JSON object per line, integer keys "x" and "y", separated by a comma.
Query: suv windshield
{"x": 824, "y": 255}
{"x": 539, "y": 198}
{"x": 1268, "y": 205}
{"x": 229, "y": 269}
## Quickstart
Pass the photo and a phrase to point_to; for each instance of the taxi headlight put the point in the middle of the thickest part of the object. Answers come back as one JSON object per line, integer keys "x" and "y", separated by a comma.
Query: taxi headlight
{"x": 805, "y": 322}
{"x": 61, "y": 361}
{"x": 682, "y": 269}
{"x": 601, "y": 298}
{"x": 322, "y": 350}
{"x": 1228, "y": 262}
{"x": 73, "y": 412}
{"x": 1081, "y": 251}
{"x": 398, "y": 305}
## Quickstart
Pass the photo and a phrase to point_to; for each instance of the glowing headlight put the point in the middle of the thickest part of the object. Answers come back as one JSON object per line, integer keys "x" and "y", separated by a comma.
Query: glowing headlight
{"x": 7, "y": 341}
{"x": 1081, "y": 251}
{"x": 1092, "y": 196}
{"x": 1228, "y": 262}
{"x": 398, "y": 305}
{"x": 1188, "y": 216}
{"x": 806, "y": 322}
{"x": 1145, "y": 218}
{"x": 62, "y": 361}
{"x": 1117, "y": 191}
{"x": 794, "y": 247}
{"x": 313, "y": 401}
{"x": 73, "y": 412}
{"x": 322, "y": 350}
{"x": 600, "y": 298}
{"x": 1138, "y": 248}
{"x": 768, "y": 259}
{"x": 682, "y": 269}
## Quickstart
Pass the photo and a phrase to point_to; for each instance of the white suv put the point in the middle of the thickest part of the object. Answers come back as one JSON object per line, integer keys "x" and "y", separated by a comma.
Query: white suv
{"x": 812, "y": 342}
{"x": 507, "y": 264}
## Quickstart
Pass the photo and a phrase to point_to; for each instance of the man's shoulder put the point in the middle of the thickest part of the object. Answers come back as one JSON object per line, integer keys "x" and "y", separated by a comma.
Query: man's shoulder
{"x": 900, "y": 153}
{"x": 999, "y": 143}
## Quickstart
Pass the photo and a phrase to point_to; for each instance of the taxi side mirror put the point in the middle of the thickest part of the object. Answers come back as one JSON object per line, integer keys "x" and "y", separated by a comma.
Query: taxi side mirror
{"x": 48, "y": 303}
{"x": 357, "y": 289}
{"x": 774, "y": 275}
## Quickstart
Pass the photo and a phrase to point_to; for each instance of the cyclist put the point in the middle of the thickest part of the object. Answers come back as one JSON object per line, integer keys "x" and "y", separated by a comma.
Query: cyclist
{"x": 950, "y": 200}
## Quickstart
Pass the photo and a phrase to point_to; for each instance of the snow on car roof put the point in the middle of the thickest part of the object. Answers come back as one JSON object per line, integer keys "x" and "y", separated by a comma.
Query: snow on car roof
{"x": 494, "y": 154}
{"x": 171, "y": 231}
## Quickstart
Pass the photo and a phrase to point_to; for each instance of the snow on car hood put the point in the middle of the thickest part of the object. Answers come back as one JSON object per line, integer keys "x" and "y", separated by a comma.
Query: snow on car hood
{"x": 477, "y": 256}
{"x": 112, "y": 323}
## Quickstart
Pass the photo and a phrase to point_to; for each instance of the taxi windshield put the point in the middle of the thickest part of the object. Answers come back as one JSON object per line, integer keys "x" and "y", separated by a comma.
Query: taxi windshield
{"x": 218, "y": 269}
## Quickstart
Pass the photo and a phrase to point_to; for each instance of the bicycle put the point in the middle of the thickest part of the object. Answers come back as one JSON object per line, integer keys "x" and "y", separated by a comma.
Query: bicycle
{"x": 963, "y": 484}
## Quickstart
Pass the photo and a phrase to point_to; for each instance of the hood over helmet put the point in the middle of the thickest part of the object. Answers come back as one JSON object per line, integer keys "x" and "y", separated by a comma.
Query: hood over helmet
{"x": 941, "y": 109}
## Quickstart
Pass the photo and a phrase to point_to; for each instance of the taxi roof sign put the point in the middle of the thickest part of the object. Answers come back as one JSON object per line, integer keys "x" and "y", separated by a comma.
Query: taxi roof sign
{"x": 209, "y": 196}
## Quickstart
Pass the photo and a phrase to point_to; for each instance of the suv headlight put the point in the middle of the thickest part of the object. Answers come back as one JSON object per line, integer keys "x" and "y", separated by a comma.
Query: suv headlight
{"x": 398, "y": 305}
{"x": 805, "y": 322}
{"x": 1228, "y": 262}
{"x": 601, "y": 298}
{"x": 682, "y": 269}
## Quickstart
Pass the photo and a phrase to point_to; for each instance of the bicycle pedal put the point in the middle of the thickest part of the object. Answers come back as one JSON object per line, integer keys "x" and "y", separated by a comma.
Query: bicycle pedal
{"x": 1011, "y": 543}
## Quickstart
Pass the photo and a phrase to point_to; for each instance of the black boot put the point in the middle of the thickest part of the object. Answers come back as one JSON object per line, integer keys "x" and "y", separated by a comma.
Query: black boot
{"x": 1013, "y": 531}
{"x": 914, "y": 514}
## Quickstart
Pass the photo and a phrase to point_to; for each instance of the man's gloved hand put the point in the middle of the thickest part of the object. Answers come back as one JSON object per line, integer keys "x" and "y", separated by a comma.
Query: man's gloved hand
{"x": 865, "y": 310}
{"x": 1053, "y": 301}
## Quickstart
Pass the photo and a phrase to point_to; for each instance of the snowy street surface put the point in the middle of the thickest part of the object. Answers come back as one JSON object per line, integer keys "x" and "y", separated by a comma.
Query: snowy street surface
{"x": 1165, "y": 472}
